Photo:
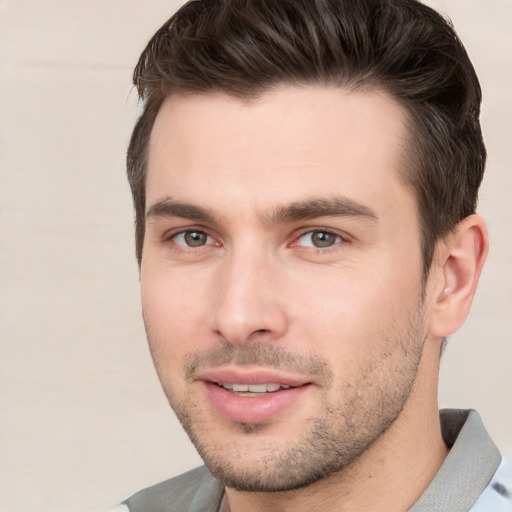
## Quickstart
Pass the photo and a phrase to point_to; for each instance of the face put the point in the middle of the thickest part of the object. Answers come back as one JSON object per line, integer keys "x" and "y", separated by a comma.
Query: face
{"x": 281, "y": 278}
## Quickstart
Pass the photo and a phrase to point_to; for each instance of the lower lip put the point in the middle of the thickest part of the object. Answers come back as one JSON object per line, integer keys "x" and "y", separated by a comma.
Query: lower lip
{"x": 252, "y": 409}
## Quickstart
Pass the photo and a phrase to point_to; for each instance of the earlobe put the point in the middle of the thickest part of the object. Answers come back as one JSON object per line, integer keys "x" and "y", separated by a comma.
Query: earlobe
{"x": 459, "y": 264}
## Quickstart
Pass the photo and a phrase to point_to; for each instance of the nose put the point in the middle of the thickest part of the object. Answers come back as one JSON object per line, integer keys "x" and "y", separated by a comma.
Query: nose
{"x": 248, "y": 302}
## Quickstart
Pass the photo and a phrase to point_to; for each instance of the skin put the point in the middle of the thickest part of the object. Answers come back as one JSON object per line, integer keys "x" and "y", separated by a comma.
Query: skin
{"x": 281, "y": 238}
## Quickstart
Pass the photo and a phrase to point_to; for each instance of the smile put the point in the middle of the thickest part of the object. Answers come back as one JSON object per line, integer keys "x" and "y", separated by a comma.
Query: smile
{"x": 252, "y": 390}
{"x": 255, "y": 402}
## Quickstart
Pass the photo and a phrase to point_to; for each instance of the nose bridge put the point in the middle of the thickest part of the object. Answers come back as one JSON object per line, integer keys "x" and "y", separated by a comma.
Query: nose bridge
{"x": 247, "y": 296}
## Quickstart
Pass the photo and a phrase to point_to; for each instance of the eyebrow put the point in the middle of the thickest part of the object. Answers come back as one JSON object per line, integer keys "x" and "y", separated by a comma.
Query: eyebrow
{"x": 293, "y": 212}
{"x": 321, "y": 207}
{"x": 169, "y": 208}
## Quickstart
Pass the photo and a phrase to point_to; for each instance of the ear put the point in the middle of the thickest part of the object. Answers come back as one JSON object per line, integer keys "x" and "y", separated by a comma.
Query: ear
{"x": 458, "y": 264}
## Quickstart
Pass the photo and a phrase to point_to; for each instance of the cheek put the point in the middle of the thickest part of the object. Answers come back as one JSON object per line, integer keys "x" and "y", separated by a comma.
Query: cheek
{"x": 174, "y": 314}
{"x": 351, "y": 314}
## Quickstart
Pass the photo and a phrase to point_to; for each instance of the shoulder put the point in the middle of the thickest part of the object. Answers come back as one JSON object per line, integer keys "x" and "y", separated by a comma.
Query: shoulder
{"x": 194, "y": 491}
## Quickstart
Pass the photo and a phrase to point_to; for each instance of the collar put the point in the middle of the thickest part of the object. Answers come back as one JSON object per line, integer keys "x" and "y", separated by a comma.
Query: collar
{"x": 468, "y": 469}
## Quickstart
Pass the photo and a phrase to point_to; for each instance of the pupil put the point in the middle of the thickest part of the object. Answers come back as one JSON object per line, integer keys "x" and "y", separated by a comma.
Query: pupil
{"x": 322, "y": 239}
{"x": 195, "y": 238}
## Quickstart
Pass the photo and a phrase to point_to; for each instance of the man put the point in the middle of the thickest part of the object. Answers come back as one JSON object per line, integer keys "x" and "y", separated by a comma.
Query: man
{"x": 305, "y": 176}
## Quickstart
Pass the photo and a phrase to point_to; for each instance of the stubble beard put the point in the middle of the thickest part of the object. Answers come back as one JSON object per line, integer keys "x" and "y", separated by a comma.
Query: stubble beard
{"x": 327, "y": 444}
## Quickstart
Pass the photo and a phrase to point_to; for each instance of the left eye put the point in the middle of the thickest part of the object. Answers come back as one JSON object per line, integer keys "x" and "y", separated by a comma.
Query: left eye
{"x": 192, "y": 238}
{"x": 319, "y": 239}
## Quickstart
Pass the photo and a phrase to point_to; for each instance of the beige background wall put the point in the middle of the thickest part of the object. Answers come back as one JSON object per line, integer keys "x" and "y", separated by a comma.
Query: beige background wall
{"x": 83, "y": 422}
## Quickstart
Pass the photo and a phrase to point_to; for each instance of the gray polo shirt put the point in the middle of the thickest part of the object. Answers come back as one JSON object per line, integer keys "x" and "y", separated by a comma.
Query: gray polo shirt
{"x": 473, "y": 478}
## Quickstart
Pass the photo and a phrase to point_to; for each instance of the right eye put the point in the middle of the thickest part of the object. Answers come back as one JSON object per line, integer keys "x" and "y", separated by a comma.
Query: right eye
{"x": 192, "y": 238}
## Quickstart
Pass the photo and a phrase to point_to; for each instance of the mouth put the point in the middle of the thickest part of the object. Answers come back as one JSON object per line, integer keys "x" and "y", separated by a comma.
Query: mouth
{"x": 252, "y": 390}
{"x": 254, "y": 395}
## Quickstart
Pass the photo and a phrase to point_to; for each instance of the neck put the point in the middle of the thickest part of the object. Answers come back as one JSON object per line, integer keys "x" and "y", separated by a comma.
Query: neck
{"x": 389, "y": 477}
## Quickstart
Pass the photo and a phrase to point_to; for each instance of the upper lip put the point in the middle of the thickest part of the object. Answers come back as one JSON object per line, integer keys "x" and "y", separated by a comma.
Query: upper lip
{"x": 234, "y": 375}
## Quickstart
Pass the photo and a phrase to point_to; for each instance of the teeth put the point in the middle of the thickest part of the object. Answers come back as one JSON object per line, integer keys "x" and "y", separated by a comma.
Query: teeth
{"x": 258, "y": 388}
{"x": 253, "y": 388}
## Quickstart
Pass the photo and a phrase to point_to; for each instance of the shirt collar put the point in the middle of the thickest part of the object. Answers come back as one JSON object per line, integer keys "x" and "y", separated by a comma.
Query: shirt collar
{"x": 468, "y": 469}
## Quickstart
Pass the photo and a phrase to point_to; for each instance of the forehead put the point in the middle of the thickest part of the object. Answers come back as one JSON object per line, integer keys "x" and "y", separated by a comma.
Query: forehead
{"x": 289, "y": 142}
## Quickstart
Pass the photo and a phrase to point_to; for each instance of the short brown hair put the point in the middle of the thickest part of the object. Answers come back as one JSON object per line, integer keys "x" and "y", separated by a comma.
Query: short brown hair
{"x": 246, "y": 47}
